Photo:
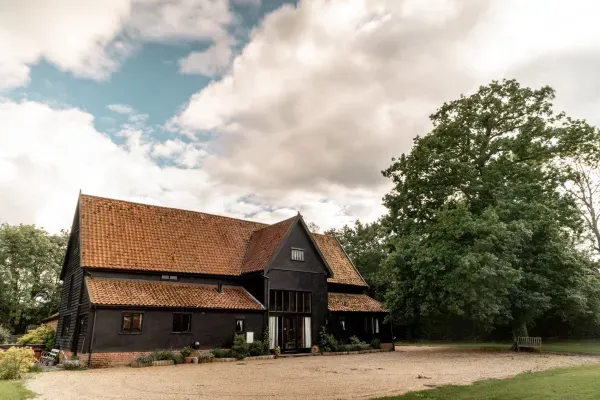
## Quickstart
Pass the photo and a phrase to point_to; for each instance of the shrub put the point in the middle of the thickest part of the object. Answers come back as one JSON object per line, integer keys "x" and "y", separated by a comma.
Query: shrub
{"x": 45, "y": 335}
{"x": 187, "y": 351}
{"x": 266, "y": 342}
{"x": 4, "y": 335}
{"x": 206, "y": 356}
{"x": 15, "y": 361}
{"x": 328, "y": 342}
{"x": 240, "y": 348}
{"x": 160, "y": 355}
{"x": 256, "y": 348}
{"x": 35, "y": 368}
{"x": 376, "y": 343}
{"x": 355, "y": 345}
{"x": 145, "y": 359}
{"x": 219, "y": 353}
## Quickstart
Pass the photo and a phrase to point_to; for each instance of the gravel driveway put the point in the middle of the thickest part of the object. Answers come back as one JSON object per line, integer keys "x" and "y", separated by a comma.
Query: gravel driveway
{"x": 340, "y": 377}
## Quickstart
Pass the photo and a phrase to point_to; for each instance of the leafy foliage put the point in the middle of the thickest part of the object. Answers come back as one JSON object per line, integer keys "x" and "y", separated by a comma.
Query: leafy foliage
{"x": 327, "y": 342}
{"x": 206, "y": 356}
{"x": 240, "y": 348}
{"x": 256, "y": 348}
{"x": 376, "y": 343}
{"x": 42, "y": 335}
{"x": 479, "y": 226}
{"x": 16, "y": 361}
{"x": 266, "y": 342}
{"x": 30, "y": 265}
{"x": 187, "y": 351}
{"x": 4, "y": 335}
{"x": 222, "y": 353}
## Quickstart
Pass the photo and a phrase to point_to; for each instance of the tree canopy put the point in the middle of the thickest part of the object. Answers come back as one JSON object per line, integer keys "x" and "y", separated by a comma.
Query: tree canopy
{"x": 480, "y": 227}
{"x": 30, "y": 265}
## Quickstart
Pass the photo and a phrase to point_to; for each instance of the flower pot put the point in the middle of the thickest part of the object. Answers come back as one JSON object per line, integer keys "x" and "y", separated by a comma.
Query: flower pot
{"x": 188, "y": 360}
{"x": 194, "y": 360}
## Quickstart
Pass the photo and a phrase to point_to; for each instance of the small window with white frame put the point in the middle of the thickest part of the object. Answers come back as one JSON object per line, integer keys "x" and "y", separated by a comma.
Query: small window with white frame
{"x": 297, "y": 254}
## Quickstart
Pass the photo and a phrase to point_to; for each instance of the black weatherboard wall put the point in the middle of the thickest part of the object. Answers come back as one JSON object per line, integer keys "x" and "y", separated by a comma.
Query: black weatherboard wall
{"x": 211, "y": 328}
{"x": 309, "y": 275}
{"x": 74, "y": 303}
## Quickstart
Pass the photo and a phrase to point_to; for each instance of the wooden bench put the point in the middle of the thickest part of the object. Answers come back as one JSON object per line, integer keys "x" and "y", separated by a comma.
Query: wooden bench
{"x": 531, "y": 342}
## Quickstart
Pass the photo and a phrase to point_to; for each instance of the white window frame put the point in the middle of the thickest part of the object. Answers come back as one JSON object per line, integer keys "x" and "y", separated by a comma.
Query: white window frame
{"x": 297, "y": 254}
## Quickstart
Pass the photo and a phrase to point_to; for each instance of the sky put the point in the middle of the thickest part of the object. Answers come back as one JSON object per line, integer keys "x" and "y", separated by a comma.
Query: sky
{"x": 257, "y": 109}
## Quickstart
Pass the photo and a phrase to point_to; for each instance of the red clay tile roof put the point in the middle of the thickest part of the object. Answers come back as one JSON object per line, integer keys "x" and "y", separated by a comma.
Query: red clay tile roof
{"x": 115, "y": 292}
{"x": 353, "y": 302}
{"x": 263, "y": 244}
{"x": 343, "y": 270}
{"x": 122, "y": 235}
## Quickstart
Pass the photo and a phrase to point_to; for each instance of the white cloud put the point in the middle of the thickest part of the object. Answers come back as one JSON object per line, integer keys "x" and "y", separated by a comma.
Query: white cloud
{"x": 47, "y": 155}
{"x": 325, "y": 93}
{"x": 121, "y": 108}
{"x": 92, "y": 41}
{"x": 213, "y": 61}
{"x": 74, "y": 38}
{"x": 160, "y": 20}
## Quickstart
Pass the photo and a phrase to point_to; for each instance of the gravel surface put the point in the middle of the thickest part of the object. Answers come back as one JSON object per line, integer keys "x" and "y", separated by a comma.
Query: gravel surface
{"x": 343, "y": 377}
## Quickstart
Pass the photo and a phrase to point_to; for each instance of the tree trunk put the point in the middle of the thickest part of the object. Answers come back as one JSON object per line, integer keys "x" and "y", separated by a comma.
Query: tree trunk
{"x": 519, "y": 330}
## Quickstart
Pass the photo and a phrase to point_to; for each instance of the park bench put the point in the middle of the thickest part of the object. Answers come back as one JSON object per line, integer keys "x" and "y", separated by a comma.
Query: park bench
{"x": 531, "y": 342}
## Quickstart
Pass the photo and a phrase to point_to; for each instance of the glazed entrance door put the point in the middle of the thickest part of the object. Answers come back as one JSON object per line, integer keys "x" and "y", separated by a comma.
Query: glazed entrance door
{"x": 289, "y": 333}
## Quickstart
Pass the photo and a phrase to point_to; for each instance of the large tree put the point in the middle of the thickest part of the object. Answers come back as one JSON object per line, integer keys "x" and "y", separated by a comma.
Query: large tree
{"x": 30, "y": 265}
{"x": 480, "y": 226}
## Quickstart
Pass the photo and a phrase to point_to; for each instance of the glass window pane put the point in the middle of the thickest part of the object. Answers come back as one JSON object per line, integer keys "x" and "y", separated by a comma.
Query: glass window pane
{"x": 239, "y": 325}
{"x": 306, "y": 302}
{"x": 292, "y": 301}
{"x": 126, "y": 326}
{"x": 188, "y": 322}
{"x": 136, "y": 324}
{"x": 286, "y": 301}
{"x": 176, "y": 322}
{"x": 279, "y": 300}
{"x": 272, "y": 300}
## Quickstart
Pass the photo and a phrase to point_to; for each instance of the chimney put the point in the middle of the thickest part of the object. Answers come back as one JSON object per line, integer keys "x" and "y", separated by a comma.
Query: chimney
{"x": 220, "y": 287}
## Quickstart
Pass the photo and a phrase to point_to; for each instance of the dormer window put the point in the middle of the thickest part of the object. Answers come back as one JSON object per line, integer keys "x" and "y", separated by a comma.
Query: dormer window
{"x": 297, "y": 254}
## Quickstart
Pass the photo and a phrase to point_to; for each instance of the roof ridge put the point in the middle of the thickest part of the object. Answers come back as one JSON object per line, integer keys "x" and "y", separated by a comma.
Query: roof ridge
{"x": 176, "y": 209}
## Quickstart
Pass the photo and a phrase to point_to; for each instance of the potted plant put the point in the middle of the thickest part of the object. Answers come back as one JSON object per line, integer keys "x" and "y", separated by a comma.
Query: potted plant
{"x": 315, "y": 349}
{"x": 277, "y": 351}
{"x": 186, "y": 352}
{"x": 206, "y": 357}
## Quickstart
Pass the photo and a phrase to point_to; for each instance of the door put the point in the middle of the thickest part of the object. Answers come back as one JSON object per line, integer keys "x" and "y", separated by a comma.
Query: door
{"x": 289, "y": 333}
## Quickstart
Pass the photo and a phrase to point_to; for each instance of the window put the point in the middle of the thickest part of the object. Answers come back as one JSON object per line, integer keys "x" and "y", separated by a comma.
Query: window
{"x": 66, "y": 326}
{"x": 342, "y": 324}
{"x": 182, "y": 323}
{"x": 239, "y": 325}
{"x": 70, "y": 295}
{"x": 372, "y": 325}
{"x": 307, "y": 298}
{"x": 290, "y": 301}
{"x": 297, "y": 254}
{"x": 168, "y": 277}
{"x": 131, "y": 323}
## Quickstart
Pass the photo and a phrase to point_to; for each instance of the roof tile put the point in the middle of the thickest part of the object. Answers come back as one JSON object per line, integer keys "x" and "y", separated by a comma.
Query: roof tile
{"x": 263, "y": 244}
{"x": 122, "y": 235}
{"x": 353, "y": 302}
{"x": 124, "y": 292}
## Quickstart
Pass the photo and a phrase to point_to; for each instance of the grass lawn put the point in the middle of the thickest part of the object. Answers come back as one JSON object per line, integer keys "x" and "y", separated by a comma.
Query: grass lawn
{"x": 575, "y": 383}
{"x": 14, "y": 390}
{"x": 580, "y": 346}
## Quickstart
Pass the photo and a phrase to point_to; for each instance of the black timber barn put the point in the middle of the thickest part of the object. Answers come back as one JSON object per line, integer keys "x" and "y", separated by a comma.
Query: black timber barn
{"x": 138, "y": 277}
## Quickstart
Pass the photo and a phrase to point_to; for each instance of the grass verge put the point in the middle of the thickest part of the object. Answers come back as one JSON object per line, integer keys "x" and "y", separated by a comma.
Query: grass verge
{"x": 14, "y": 390}
{"x": 574, "y": 383}
{"x": 579, "y": 346}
